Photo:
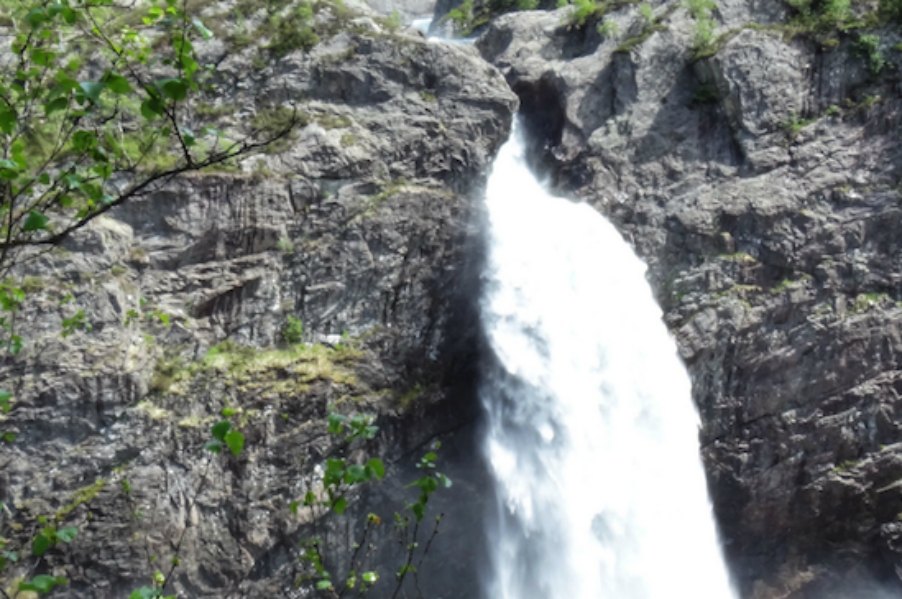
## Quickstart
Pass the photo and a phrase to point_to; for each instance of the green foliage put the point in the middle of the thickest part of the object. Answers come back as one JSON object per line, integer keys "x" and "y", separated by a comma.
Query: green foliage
{"x": 466, "y": 17}
{"x": 293, "y": 330}
{"x": 43, "y": 584}
{"x": 868, "y": 301}
{"x": 607, "y": 28}
{"x": 891, "y": 9}
{"x": 49, "y": 536}
{"x": 292, "y": 31}
{"x": 77, "y": 322}
{"x": 794, "y": 125}
{"x": 583, "y": 10}
{"x": 700, "y": 9}
{"x": 868, "y": 45}
{"x": 821, "y": 16}
{"x": 332, "y": 494}
{"x": 393, "y": 22}
{"x": 224, "y": 435}
{"x": 461, "y": 17}
{"x": 704, "y": 40}
{"x": 98, "y": 106}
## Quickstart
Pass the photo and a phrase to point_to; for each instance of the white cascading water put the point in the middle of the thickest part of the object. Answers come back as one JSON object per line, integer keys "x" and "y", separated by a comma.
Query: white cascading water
{"x": 592, "y": 434}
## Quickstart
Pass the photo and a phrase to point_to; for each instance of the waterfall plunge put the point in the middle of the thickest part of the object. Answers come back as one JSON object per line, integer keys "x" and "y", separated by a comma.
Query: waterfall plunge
{"x": 592, "y": 435}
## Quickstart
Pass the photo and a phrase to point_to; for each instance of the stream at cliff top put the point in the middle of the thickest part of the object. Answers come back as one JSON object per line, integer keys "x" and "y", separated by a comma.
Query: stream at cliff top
{"x": 592, "y": 436}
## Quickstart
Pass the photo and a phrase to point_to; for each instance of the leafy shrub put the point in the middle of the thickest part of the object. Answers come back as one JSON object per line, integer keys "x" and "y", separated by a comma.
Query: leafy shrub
{"x": 461, "y": 17}
{"x": 700, "y": 9}
{"x": 292, "y": 32}
{"x": 891, "y": 9}
{"x": 583, "y": 10}
{"x": 703, "y": 40}
{"x": 607, "y": 28}
{"x": 293, "y": 330}
{"x": 869, "y": 47}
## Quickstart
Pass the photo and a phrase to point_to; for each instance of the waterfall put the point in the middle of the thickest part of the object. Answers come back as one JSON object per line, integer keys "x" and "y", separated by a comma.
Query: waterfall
{"x": 592, "y": 436}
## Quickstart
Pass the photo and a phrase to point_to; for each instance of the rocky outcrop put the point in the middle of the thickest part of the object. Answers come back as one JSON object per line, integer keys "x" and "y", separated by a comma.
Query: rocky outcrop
{"x": 182, "y": 304}
{"x": 759, "y": 177}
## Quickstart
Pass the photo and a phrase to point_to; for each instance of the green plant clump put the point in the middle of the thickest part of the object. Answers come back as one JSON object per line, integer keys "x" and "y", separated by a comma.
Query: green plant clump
{"x": 293, "y": 330}
{"x": 293, "y": 31}
{"x": 869, "y": 47}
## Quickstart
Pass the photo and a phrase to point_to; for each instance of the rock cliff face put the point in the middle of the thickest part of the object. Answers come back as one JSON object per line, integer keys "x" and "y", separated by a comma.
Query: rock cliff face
{"x": 362, "y": 227}
{"x": 757, "y": 173}
{"x": 759, "y": 177}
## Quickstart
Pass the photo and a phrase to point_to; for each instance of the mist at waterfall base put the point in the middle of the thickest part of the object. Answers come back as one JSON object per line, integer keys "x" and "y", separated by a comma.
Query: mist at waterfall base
{"x": 591, "y": 434}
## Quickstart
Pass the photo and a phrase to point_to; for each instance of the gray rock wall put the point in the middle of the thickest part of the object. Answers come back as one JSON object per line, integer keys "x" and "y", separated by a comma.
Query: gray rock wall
{"x": 363, "y": 227}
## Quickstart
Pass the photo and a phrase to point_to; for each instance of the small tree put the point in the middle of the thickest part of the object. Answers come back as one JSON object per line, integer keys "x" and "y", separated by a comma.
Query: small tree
{"x": 98, "y": 105}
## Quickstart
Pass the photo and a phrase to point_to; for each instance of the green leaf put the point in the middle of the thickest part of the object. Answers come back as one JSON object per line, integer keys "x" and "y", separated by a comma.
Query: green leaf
{"x": 35, "y": 222}
{"x": 91, "y": 90}
{"x": 117, "y": 83}
{"x": 42, "y": 583}
{"x": 152, "y": 107}
{"x": 188, "y": 137}
{"x": 214, "y": 446}
{"x": 370, "y": 577}
{"x": 35, "y": 17}
{"x": 335, "y": 468}
{"x": 293, "y": 506}
{"x": 144, "y": 593}
{"x": 9, "y": 170}
{"x": 84, "y": 140}
{"x": 8, "y": 437}
{"x": 354, "y": 474}
{"x": 174, "y": 89}
{"x": 5, "y": 401}
{"x": 324, "y": 585}
{"x": 376, "y": 467}
{"x": 67, "y": 535}
{"x": 40, "y": 544}
{"x": 220, "y": 429}
{"x": 235, "y": 440}
{"x": 8, "y": 120}
{"x": 335, "y": 423}
{"x": 340, "y": 505}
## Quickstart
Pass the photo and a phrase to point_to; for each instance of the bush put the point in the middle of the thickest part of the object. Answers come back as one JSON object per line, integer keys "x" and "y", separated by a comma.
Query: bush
{"x": 869, "y": 47}
{"x": 293, "y": 330}
{"x": 700, "y": 9}
{"x": 891, "y": 9}
{"x": 582, "y": 11}
{"x": 607, "y": 29}
{"x": 292, "y": 32}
